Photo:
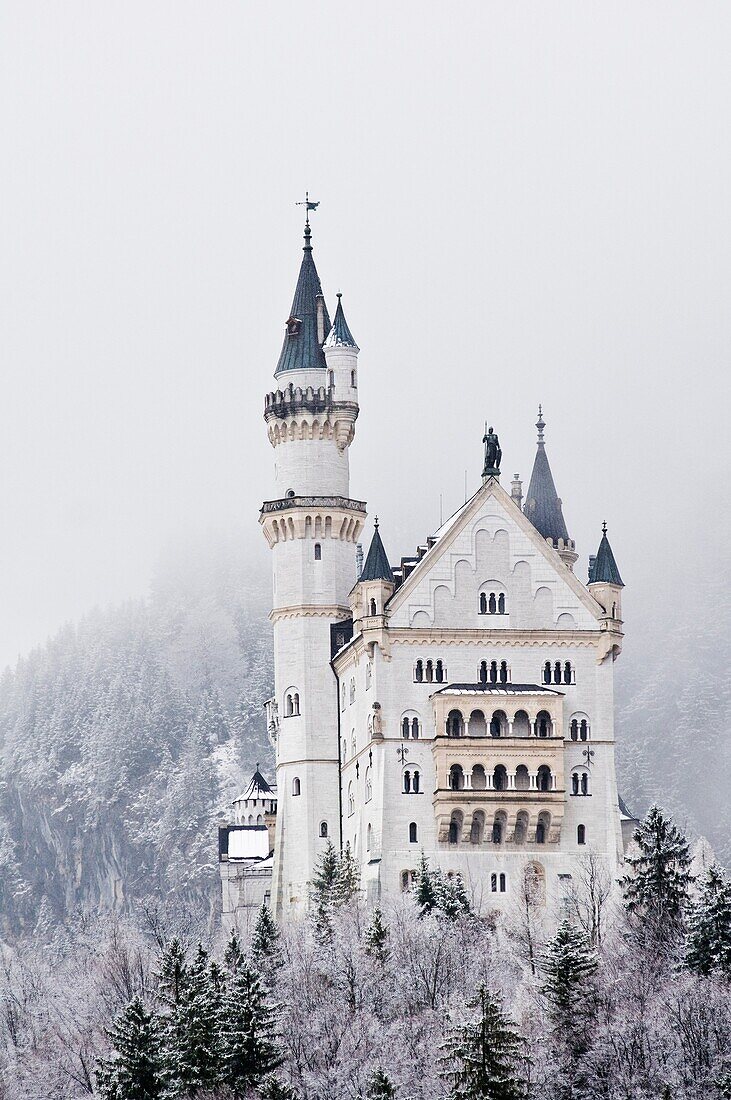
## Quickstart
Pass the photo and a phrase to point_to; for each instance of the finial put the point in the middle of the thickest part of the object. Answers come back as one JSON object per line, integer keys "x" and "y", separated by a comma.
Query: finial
{"x": 604, "y": 528}
{"x": 339, "y": 295}
{"x": 257, "y": 765}
{"x": 375, "y": 522}
{"x": 540, "y": 423}
{"x": 308, "y": 206}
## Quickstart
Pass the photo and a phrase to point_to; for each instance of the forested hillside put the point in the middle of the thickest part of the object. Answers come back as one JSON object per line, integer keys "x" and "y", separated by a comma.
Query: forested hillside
{"x": 126, "y": 736}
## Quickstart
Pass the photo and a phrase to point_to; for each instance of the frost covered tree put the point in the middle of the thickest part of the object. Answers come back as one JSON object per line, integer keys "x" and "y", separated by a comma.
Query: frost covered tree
{"x": 658, "y": 883}
{"x": 424, "y": 886}
{"x": 191, "y": 1043}
{"x": 708, "y": 940}
{"x": 567, "y": 963}
{"x": 380, "y": 1087}
{"x": 248, "y": 1030}
{"x": 265, "y": 947}
{"x": 433, "y": 890}
{"x": 484, "y": 1057}
{"x": 134, "y": 1072}
{"x": 377, "y": 937}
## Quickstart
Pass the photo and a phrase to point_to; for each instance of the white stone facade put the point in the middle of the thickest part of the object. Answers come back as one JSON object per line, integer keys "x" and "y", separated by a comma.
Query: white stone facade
{"x": 533, "y": 787}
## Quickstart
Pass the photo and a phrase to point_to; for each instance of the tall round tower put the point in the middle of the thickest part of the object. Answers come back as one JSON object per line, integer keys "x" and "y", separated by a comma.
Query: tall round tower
{"x": 312, "y": 528}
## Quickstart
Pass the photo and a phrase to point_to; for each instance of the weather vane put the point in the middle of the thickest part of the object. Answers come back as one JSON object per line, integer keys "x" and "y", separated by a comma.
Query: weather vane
{"x": 402, "y": 752}
{"x": 588, "y": 755}
{"x": 308, "y": 206}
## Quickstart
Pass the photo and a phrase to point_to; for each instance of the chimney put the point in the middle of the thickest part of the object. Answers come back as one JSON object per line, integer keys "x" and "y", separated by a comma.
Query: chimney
{"x": 358, "y": 560}
{"x": 516, "y": 490}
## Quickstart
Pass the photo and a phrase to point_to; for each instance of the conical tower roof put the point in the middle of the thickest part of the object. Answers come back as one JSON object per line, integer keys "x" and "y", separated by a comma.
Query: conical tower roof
{"x": 301, "y": 349}
{"x": 603, "y": 568}
{"x": 542, "y": 502}
{"x": 258, "y": 786}
{"x": 376, "y": 566}
{"x": 340, "y": 335}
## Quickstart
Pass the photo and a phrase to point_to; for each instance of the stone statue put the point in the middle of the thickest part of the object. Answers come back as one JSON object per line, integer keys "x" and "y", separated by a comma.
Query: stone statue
{"x": 493, "y": 454}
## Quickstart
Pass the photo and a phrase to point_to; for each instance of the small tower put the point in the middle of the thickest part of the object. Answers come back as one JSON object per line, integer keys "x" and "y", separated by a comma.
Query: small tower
{"x": 312, "y": 527}
{"x": 543, "y": 504}
{"x": 374, "y": 587}
{"x": 605, "y": 583}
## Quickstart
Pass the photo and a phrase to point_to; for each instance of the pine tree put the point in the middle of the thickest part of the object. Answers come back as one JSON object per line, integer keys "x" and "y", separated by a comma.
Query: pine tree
{"x": 451, "y": 895}
{"x": 233, "y": 956}
{"x": 172, "y": 977}
{"x": 135, "y": 1070}
{"x": 191, "y": 1057}
{"x": 323, "y": 881}
{"x": 567, "y": 963}
{"x": 272, "y": 1088}
{"x": 381, "y": 1087}
{"x": 265, "y": 950}
{"x": 708, "y": 942}
{"x": 657, "y": 887}
{"x": 377, "y": 937}
{"x": 347, "y": 880}
{"x": 425, "y": 893}
{"x": 484, "y": 1055}
{"x": 248, "y": 1030}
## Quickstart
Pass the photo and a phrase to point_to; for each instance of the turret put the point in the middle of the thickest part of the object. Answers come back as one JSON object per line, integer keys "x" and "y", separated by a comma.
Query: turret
{"x": 375, "y": 585}
{"x": 605, "y": 583}
{"x": 543, "y": 504}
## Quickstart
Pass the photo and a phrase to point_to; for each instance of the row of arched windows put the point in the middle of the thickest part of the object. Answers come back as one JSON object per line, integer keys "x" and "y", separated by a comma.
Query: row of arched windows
{"x": 559, "y": 672}
{"x": 492, "y": 603}
{"x": 291, "y": 704}
{"x": 520, "y": 726}
{"x": 498, "y": 881}
{"x": 580, "y": 783}
{"x": 498, "y": 831}
{"x": 412, "y": 781}
{"x": 494, "y": 672}
{"x": 428, "y": 672}
{"x": 409, "y": 727}
{"x": 331, "y": 380}
{"x": 579, "y": 729}
{"x": 544, "y": 779}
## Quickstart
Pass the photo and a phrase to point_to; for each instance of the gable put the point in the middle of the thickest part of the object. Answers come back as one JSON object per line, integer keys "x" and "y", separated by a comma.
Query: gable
{"x": 491, "y": 548}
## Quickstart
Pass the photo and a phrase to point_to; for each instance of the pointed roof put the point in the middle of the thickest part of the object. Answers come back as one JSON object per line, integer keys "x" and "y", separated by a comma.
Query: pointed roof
{"x": 301, "y": 348}
{"x": 257, "y": 787}
{"x": 376, "y": 566}
{"x": 542, "y": 502}
{"x": 340, "y": 335}
{"x": 603, "y": 568}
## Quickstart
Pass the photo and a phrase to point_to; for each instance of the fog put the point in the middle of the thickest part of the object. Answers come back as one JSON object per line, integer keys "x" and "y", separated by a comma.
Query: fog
{"x": 520, "y": 202}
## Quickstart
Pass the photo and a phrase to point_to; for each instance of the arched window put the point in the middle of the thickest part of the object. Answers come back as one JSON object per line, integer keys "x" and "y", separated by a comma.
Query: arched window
{"x": 419, "y": 672}
{"x": 352, "y": 379}
{"x": 543, "y": 724}
{"x": 296, "y": 786}
{"x": 331, "y": 379}
{"x": 416, "y": 782}
{"x": 567, "y": 672}
{"x": 503, "y": 883}
{"x": 404, "y": 727}
{"x": 407, "y": 782}
{"x": 318, "y": 552}
{"x": 584, "y": 782}
{"x": 323, "y": 829}
{"x": 368, "y": 785}
{"x": 456, "y": 778}
{"x": 498, "y": 724}
{"x": 482, "y": 674}
{"x": 493, "y": 883}
{"x": 413, "y": 833}
{"x": 477, "y": 726}
{"x": 557, "y": 672}
{"x": 521, "y": 827}
{"x": 492, "y": 604}
{"x": 544, "y": 824}
{"x": 373, "y": 610}
{"x": 575, "y": 783}
{"x": 369, "y": 834}
{"x": 415, "y": 728}
{"x": 544, "y": 778}
{"x": 521, "y": 724}
{"x": 343, "y": 699}
{"x": 429, "y": 672}
{"x": 455, "y": 826}
{"x": 352, "y": 690}
{"x": 288, "y": 705}
{"x": 581, "y": 834}
{"x": 522, "y": 778}
{"x": 483, "y": 603}
{"x": 296, "y": 702}
{"x": 574, "y": 729}
{"x": 477, "y": 829}
{"x": 455, "y": 724}
{"x": 501, "y": 604}
{"x": 500, "y": 778}
{"x": 547, "y": 672}
{"x": 498, "y": 828}
{"x": 503, "y": 672}
{"x": 493, "y": 672}
{"x": 440, "y": 673}
{"x": 351, "y": 800}
{"x": 584, "y": 729}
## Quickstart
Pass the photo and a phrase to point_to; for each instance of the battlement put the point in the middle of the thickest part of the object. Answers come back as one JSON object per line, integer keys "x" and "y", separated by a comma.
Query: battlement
{"x": 293, "y": 400}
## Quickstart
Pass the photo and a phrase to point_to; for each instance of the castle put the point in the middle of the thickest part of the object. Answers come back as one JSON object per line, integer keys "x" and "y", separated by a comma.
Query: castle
{"x": 460, "y": 704}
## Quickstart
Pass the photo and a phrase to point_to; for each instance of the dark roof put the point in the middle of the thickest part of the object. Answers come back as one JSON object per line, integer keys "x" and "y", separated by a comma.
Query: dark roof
{"x": 340, "y": 335}
{"x": 542, "y": 503}
{"x": 498, "y": 689}
{"x": 258, "y": 784}
{"x": 603, "y": 568}
{"x": 624, "y": 811}
{"x": 301, "y": 348}
{"x": 376, "y": 566}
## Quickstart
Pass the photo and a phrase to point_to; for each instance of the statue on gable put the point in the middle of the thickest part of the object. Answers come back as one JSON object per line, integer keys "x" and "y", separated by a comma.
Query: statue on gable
{"x": 493, "y": 454}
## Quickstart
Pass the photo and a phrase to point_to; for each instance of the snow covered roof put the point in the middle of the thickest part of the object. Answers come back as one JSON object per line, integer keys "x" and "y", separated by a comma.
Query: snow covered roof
{"x": 258, "y": 788}
{"x": 340, "y": 335}
{"x": 248, "y": 842}
{"x": 497, "y": 689}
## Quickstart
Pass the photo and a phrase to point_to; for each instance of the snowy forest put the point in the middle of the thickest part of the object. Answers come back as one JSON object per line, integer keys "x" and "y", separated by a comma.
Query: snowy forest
{"x": 124, "y": 740}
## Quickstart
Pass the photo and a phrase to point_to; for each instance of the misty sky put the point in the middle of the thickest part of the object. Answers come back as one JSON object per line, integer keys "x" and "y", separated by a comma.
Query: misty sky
{"x": 521, "y": 202}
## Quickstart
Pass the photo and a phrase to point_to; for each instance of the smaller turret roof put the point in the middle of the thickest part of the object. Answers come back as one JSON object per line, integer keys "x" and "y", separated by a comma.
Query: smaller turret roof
{"x": 542, "y": 504}
{"x": 603, "y": 568}
{"x": 340, "y": 335}
{"x": 258, "y": 787}
{"x": 376, "y": 566}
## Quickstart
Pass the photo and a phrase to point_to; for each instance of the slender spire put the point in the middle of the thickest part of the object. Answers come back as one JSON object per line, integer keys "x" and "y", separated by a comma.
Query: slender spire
{"x": 308, "y": 321}
{"x": 542, "y": 502}
{"x": 603, "y": 568}
{"x": 376, "y": 566}
{"x": 340, "y": 335}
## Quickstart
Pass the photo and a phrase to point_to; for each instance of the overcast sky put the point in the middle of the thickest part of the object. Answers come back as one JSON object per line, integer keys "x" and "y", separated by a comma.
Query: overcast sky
{"x": 521, "y": 202}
